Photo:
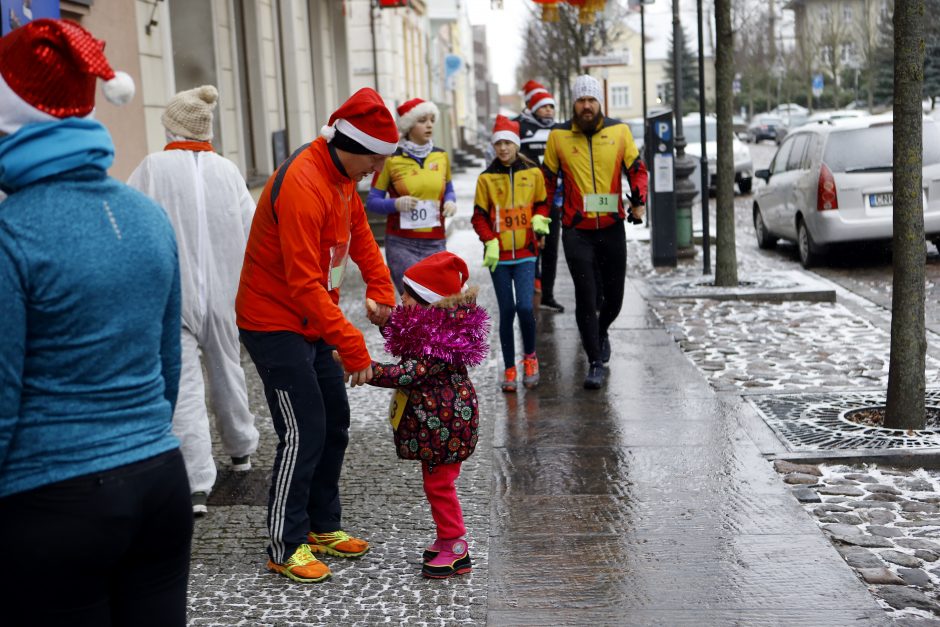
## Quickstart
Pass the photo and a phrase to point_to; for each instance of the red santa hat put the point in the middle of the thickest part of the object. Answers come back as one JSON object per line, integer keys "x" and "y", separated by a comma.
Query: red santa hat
{"x": 504, "y": 128}
{"x": 365, "y": 120}
{"x": 540, "y": 99}
{"x": 48, "y": 71}
{"x": 532, "y": 88}
{"x": 436, "y": 277}
{"x": 409, "y": 112}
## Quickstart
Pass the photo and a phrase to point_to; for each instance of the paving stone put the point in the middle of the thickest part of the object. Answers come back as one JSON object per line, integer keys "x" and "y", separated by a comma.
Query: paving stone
{"x": 861, "y": 478}
{"x": 782, "y": 466}
{"x": 918, "y": 543}
{"x": 917, "y": 485}
{"x": 915, "y": 577}
{"x": 857, "y": 557}
{"x": 845, "y": 519}
{"x": 880, "y": 576}
{"x": 900, "y": 597}
{"x": 865, "y": 540}
{"x": 798, "y": 478}
{"x": 826, "y": 508}
{"x": 882, "y": 496}
{"x": 917, "y": 506}
{"x": 927, "y": 556}
{"x": 873, "y": 505}
{"x": 899, "y": 558}
{"x": 841, "y": 490}
{"x": 843, "y": 481}
{"x": 806, "y": 495}
{"x": 838, "y": 529}
{"x": 881, "y": 488}
{"x": 878, "y": 516}
{"x": 886, "y": 532}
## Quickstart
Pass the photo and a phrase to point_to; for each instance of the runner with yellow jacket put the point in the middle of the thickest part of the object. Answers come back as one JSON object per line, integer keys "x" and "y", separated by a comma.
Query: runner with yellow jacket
{"x": 591, "y": 153}
{"x": 509, "y": 214}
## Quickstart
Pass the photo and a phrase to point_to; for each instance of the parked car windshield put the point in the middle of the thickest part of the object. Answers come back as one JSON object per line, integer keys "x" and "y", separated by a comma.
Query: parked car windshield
{"x": 693, "y": 132}
{"x": 858, "y": 150}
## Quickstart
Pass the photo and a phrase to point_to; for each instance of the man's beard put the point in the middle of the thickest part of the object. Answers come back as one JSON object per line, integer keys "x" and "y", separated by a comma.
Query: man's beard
{"x": 586, "y": 126}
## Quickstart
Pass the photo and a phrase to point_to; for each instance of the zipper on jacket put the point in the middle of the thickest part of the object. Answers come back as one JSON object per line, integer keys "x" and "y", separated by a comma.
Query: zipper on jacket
{"x": 512, "y": 203}
{"x": 597, "y": 219}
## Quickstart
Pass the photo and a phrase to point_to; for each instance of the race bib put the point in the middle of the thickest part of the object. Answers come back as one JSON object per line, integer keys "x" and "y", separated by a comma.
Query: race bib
{"x": 599, "y": 203}
{"x": 424, "y": 215}
{"x": 397, "y": 408}
{"x": 339, "y": 256}
{"x": 514, "y": 218}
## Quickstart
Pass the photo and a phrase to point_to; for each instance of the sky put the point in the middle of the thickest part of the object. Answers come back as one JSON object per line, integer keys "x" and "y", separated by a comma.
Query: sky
{"x": 504, "y": 33}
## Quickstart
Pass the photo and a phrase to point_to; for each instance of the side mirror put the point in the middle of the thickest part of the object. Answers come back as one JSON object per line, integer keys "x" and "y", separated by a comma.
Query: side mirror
{"x": 763, "y": 174}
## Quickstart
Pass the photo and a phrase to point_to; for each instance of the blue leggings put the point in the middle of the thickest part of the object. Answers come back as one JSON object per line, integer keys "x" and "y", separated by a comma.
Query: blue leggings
{"x": 522, "y": 275}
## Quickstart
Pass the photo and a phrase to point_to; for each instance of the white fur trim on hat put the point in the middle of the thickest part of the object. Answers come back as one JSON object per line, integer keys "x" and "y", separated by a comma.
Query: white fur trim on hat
{"x": 543, "y": 101}
{"x": 120, "y": 89}
{"x": 407, "y": 121}
{"x": 586, "y": 86}
{"x": 508, "y": 136}
{"x": 328, "y": 132}
{"x": 374, "y": 144}
{"x": 532, "y": 92}
{"x": 15, "y": 112}
{"x": 426, "y": 295}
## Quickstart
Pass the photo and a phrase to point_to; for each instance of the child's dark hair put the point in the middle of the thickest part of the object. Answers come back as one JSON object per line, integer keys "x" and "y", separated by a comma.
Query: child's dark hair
{"x": 414, "y": 295}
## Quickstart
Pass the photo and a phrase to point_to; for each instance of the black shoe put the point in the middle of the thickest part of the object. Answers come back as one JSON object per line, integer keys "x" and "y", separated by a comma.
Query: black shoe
{"x": 605, "y": 349}
{"x": 241, "y": 464}
{"x": 199, "y": 504}
{"x": 552, "y": 305}
{"x": 594, "y": 379}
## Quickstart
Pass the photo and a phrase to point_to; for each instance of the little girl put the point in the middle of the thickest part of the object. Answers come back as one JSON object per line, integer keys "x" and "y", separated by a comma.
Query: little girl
{"x": 509, "y": 213}
{"x": 436, "y": 333}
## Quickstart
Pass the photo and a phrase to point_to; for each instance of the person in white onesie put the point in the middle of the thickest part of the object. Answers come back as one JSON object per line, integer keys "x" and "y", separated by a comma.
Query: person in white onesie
{"x": 208, "y": 203}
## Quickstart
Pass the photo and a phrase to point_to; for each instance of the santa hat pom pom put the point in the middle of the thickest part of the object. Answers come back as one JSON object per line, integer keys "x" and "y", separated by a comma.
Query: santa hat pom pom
{"x": 328, "y": 132}
{"x": 120, "y": 89}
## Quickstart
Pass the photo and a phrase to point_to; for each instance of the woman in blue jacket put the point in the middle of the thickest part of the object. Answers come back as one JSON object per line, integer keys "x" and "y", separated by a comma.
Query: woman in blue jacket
{"x": 93, "y": 490}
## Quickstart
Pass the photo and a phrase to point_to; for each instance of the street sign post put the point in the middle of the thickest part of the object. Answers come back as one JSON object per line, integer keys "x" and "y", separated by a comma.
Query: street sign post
{"x": 817, "y": 85}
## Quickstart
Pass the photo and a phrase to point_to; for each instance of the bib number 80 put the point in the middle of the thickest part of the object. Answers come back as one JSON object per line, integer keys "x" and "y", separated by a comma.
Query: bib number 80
{"x": 419, "y": 214}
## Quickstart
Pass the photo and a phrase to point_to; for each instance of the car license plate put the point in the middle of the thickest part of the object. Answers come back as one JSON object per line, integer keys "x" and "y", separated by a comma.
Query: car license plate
{"x": 881, "y": 200}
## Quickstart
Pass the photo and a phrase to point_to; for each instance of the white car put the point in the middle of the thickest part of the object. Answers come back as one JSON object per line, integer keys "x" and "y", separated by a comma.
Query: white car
{"x": 832, "y": 182}
{"x": 743, "y": 167}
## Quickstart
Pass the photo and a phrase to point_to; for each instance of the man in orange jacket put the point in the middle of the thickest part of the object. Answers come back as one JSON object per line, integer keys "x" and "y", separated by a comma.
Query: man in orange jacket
{"x": 308, "y": 224}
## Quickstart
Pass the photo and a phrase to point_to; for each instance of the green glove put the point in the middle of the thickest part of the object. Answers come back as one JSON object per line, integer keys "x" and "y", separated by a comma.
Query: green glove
{"x": 540, "y": 224}
{"x": 491, "y": 254}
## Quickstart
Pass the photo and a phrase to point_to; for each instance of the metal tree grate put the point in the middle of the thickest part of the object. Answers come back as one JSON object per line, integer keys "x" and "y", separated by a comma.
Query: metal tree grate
{"x": 817, "y": 422}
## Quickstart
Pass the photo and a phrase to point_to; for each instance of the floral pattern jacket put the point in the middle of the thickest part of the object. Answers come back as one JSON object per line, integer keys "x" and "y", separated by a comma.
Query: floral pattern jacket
{"x": 434, "y": 413}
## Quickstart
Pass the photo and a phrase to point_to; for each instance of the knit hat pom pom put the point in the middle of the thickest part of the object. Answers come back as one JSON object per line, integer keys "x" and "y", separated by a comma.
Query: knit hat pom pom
{"x": 328, "y": 132}
{"x": 208, "y": 94}
{"x": 120, "y": 89}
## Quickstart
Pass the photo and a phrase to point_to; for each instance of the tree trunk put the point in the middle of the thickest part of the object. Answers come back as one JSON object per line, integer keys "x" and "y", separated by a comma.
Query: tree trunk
{"x": 726, "y": 264}
{"x": 906, "y": 377}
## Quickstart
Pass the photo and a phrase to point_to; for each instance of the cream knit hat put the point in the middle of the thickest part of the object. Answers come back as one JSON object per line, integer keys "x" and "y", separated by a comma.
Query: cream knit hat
{"x": 189, "y": 113}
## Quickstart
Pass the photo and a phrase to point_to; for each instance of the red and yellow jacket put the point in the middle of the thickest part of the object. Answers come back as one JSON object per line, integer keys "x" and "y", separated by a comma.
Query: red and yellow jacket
{"x": 506, "y": 199}
{"x": 593, "y": 164}
{"x": 428, "y": 179}
{"x": 284, "y": 280}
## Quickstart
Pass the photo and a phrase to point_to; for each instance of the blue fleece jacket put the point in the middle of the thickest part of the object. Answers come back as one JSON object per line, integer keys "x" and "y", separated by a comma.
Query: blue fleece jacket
{"x": 90, "y": 347}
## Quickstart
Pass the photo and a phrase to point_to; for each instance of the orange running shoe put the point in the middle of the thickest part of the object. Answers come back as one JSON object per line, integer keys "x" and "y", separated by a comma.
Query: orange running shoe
{"x": 338, "y": 543}
{"x": 530, "y": 366}
{"x": 509, "y": 380}
{"x": 302, "y": 566}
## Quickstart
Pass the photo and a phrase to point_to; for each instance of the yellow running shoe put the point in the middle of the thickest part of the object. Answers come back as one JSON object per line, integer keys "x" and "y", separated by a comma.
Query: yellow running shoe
{"x": 302, "y": 566}
{"x": 338, "y": 543}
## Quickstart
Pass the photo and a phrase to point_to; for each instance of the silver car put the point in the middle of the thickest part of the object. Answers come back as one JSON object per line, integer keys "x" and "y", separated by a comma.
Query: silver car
{"x": 832, "y": 182}
{"x": 743, "y": 168}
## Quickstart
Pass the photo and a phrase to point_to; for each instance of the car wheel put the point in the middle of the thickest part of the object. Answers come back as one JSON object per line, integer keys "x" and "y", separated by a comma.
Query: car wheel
{"x": 764, "y": 239}
{"x": 810, "y": 254}
{"x": 745, "y": 185}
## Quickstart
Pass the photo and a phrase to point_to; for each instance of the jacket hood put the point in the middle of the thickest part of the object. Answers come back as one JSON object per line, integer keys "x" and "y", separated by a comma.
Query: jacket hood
{"x": 455, "y": 331}
{"x": 530, "y": 117}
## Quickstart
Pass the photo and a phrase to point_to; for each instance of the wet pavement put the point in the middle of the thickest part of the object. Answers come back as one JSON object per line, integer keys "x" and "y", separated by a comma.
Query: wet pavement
{"x": 648, "y": 502}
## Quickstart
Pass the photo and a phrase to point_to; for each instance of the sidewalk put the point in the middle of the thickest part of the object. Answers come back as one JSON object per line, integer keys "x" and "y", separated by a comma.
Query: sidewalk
{"x": 645, "y": 503}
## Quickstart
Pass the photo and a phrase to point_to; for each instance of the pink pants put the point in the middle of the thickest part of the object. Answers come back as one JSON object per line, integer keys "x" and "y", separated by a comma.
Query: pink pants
{"x": 442, "y": 495}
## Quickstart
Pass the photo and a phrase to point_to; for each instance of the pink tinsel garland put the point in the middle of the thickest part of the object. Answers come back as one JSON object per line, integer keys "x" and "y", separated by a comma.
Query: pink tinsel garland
{"x": 457, "y": 336}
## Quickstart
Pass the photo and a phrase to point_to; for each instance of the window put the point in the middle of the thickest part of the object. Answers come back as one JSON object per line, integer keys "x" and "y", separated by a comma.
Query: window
{"x": 885, "y": 11}
{"x": 795, "y": 160}
{"x": 825, "y": 14}
{"x": 780, "y": 159}
{"x": 825, "y": 55}
{"x": 662, "y": 92}
{"x": 620, "y": 97}
{"x": 847, "y": 14}
{"x": 847, "y": 53}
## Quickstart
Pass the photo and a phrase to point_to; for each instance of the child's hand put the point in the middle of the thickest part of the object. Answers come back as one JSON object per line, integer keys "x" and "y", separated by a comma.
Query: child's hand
{"x": 377, "y": 312}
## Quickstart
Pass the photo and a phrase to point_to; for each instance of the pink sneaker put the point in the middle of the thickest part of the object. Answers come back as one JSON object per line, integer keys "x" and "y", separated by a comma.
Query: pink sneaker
{"x": 452, "y": 559}
{"x": 431, "y": 552}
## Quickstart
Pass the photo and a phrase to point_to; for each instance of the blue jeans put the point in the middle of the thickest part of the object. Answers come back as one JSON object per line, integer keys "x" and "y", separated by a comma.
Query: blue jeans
{"x": 522, "y": 276}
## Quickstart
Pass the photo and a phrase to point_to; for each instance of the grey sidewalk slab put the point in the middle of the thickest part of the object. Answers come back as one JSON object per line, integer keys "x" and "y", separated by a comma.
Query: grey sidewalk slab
{"x": 648, "y": 503}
